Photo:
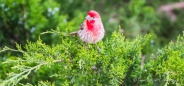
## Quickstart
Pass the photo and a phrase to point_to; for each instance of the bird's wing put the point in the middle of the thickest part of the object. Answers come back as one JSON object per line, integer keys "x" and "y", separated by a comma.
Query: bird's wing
{"x": 82, "y": 26}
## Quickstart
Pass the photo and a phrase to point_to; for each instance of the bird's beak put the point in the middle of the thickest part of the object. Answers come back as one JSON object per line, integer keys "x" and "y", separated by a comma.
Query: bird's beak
{"x": 88, "y": 17}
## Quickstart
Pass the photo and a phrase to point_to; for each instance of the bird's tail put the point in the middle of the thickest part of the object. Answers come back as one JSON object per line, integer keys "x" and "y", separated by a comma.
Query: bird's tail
{"x": 74, "y": 33}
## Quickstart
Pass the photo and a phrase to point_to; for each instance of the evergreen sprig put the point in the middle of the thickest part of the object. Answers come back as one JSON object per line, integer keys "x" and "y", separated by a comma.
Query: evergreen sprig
{"x": 73, "y": 63}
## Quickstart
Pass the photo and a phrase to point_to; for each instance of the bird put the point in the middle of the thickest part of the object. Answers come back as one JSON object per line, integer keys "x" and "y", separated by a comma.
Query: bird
{"x": 91, "y": 30}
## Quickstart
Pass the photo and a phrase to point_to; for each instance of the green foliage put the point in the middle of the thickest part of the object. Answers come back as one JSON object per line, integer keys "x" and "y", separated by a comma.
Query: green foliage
{"x": 76, "y": 65}
{"x": 169, "y": 65}
{"x": 21, "y": 20}
{"x": 119, "y": 62}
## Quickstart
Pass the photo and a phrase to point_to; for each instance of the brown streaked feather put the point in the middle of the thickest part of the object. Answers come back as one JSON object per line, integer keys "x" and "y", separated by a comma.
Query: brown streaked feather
{"x": 81, "y": 26}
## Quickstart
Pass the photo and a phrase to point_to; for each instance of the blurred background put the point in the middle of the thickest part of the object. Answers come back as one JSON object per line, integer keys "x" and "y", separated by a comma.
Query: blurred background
{"x": 22, "y": 20}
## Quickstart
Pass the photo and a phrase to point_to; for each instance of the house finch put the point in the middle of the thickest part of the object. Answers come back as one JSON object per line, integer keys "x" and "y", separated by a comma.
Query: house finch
{"x": 91, "y": 30}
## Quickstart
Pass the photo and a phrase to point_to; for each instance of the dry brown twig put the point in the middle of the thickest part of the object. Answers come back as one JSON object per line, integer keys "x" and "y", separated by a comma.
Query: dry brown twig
{"x": 168, "y": 9}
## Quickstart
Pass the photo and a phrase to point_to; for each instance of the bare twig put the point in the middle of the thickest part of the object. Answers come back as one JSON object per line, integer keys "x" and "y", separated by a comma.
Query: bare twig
{"x": 168, "y": 9}
{"x": 58, "y": 60}
{"x": 142, "y": 61}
